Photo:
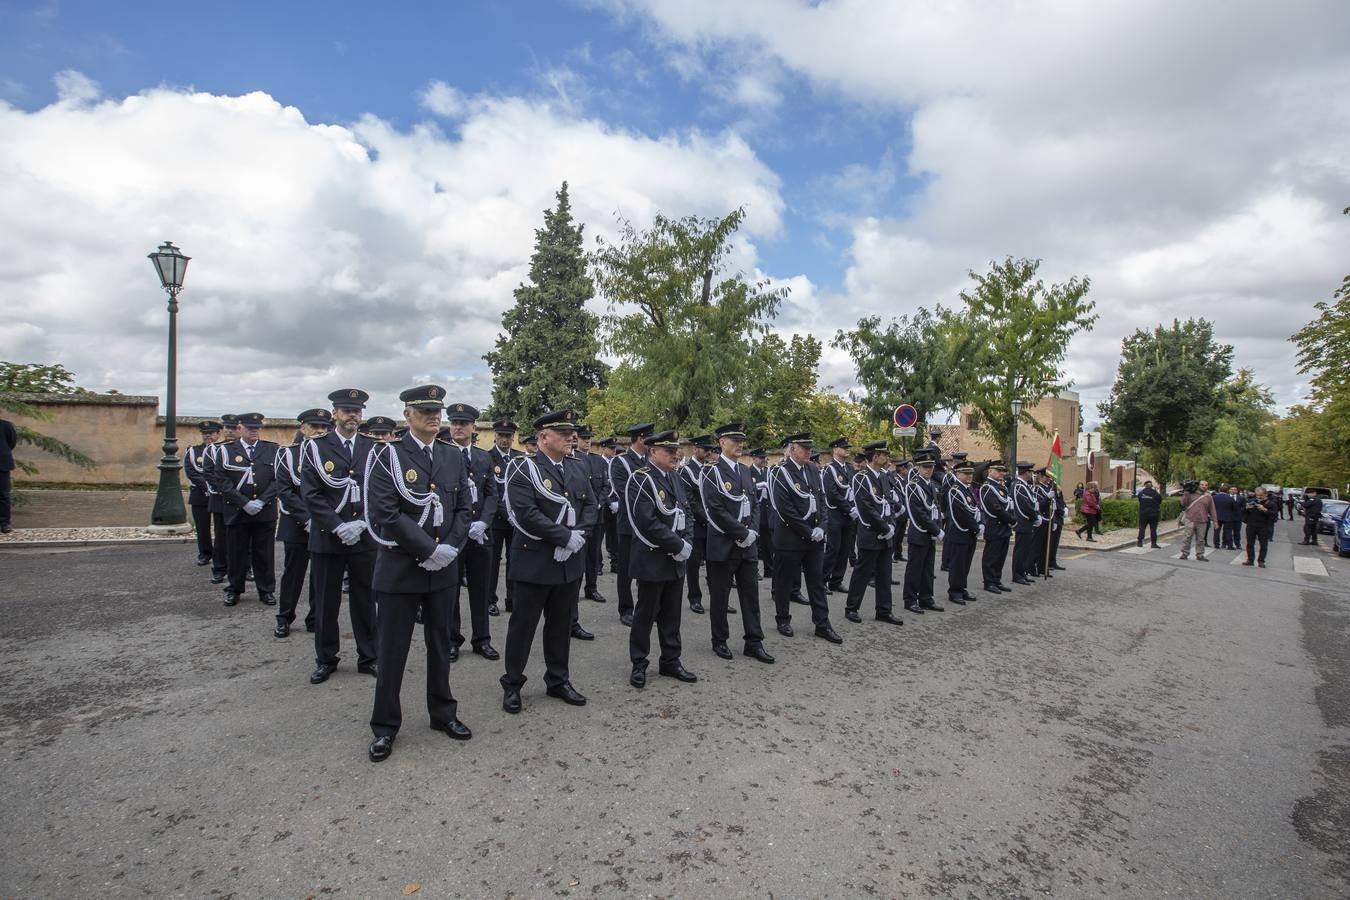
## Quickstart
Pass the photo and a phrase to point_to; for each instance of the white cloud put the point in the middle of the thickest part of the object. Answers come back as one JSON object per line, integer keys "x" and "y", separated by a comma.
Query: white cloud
{"x": 322, "y": 254}
{"x": 1187, "y": 156}
{"x": 76, "y": 87}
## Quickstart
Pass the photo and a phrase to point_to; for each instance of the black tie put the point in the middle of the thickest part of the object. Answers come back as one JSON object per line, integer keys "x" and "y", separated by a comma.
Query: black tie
{"x": 347, "y": 445}
{"x": 430, "y": 460}
{"x": 248, "y": 448}
{"x": 467, "y": 458}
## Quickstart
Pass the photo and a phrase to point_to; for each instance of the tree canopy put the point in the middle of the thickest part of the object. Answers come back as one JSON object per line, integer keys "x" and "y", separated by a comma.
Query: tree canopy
{"x": 35, "y": 378}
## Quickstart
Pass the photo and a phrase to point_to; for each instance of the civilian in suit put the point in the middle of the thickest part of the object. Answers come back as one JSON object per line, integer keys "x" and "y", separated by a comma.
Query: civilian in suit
{"x": 657, "y": 509}
{"x": 475, "y": 560}
{"x": 549, "y": 509}
{"x": 199, "y": 495}
{"x": 293, "y": 526}
{"x": 798, "y": 500}
{"x": 332, "y": 483}
{"x": 245, "y": 474}
{"x": 417, "y": 511}
{"x": 731, "y": 505}
{"x": 503, "y": 434}
{"x": 871, "y": 509}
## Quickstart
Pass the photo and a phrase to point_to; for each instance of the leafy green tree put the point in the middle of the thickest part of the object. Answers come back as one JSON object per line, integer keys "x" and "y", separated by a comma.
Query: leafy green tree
{"x": 914, "y": 359}
{"x": 20, "y": 379}
{"x": 1305, "y": 452}
{"x": 1324, "y": 353}
{"x": 1012, "y": 338}
{"x": 548, "y": 357}
{"x": 678, "y": 318}
{"x": 779, "y": 376}
{"x": 1168, "y": 394}
{"x": 1242, "y": 449}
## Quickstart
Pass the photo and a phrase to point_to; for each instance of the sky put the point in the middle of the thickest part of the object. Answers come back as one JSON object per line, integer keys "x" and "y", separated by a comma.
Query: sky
{"x": 358, "y": 184}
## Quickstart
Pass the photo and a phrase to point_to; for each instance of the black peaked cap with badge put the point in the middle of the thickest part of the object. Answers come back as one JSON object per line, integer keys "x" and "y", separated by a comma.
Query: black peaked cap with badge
{"x": 842, "y": 443}
{"x": 759, "y": 453}
{"x": 800, "y": 437}
{"x": 584, "y": 432}
{"x": 460, "y": 412}
{"x": 426, "y": 396}
{"x": 666, "y": 439}
{"x": 558, "y": 420}
{"x": 381, "y": 425}
{"x": 504, "y": 426}
{"x": 315, "y": 416}
{"x": 348, "y": 398}
{"x": 208, "y": 427}
{"x": 609, "y": 442}
{"x": 875, "y": 447}
{"x": 731, "y": 430}
{"x": 640, "y": 431}
{"x": 229, "y": 419}
{"x": 251, "y": 420}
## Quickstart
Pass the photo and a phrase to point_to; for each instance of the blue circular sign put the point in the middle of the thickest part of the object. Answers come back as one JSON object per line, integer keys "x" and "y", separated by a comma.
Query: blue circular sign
{"x": 906, "y": 416}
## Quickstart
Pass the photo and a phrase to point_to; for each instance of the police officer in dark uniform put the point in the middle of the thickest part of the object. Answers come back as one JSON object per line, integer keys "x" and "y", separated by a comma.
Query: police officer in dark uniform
{"x": 657, "y": 510}
{"x": 731, "y": 507}
{"x": 1045, "y": 505}
{"x": 332, "y": 483}
{"x": 996, "y": 508}
{"x": 798, "y": 500}
{"x": 759, "y": 471}
{"x": 475, "y": 560}
{"x": 548, "y": 507}
{"x": 1027, "y": 510}
{"x": 871, "y": 508}
{"x": 293, "y": 526}
{"x": 215, "y": 501}
{"x": 964, "y": 527}
{"x": 503, "y": 433}
{"x": 836, "y": 476}
{"x": 898, "y": 479}
{"x": 597, "y": 470}
{"x": 690, "y": 476}
{"x": 244, "y": 472}
{"x": 418, "y": 512}
{"x": 1058, "y": 514}
{"x": 609, "y": 448}
{"x": 925, "y": 530}
{"x": 624, "y": 465}
{"x": 578, "y": 472}
{"x": 199, "y": 495}
{"x": 1312, "y": 513}
{"x": 945, "y": 484}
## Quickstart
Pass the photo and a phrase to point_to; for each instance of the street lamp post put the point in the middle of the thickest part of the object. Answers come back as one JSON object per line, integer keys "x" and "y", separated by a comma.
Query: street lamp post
{"x": 1134, "y": 492}
{"x": 169, "y": 516}
{"x": 1017, "y": 417}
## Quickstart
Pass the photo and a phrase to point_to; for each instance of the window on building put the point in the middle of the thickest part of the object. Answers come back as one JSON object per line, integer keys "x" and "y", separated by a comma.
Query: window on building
{"x": 972, "y": 422}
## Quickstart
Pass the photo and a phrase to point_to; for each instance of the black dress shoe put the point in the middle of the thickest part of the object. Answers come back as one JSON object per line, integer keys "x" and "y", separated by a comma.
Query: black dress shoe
{"x": 722, "y": 650}
{"x": 267, "y": 599}
{"x": 897, "y": 581}
{"x": 453, "y": 653}
{"x": 217, "y": 579}
{"x": 785, "y": 630}
{"x": 368, "y": 669}
{"x": 991, "y": 589}
{"x": 511, "y": 699}
{"x": 828, "y": 633}
{"x": 567, "y": 694}
{"x": 959, "y": 601}
{"x": 757, "y": 651}
{"x": 493, "y": 610}
{"x": 281, "y": 630}
{"x": 1004, "y": 588}
{"x": 679, "y": 673}
{"x": 6, "y": 529}
{"x": 580, "y": 634}
{"x": 638, "y": 677}
{"x": 202, "y": 560}
{"x": 932, "y": 607}
{"x": 852, "y": 615}
{"x": 380, "y": 748}
{"x": 231, "y": 599}
{"x": 596, "y": 596}
{"x": 626, "y": 619}
{"x": 798, "y": 598}
{"x": 487, "y": 651}
{"x": 697, "y": 608}
{"x": 838, "y": 588}
{"x": 966, "y": 596}
{"x": 891, "y": 619}
{"x": 455, "y": 730}
{"x": 1059, "y": 568}
{"x": 1020, "y": 579}
{"x": 321, "y": 673}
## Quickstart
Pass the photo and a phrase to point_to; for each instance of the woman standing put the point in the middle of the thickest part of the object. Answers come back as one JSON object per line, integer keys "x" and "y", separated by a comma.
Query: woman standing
{"x": 1090, "y": 505}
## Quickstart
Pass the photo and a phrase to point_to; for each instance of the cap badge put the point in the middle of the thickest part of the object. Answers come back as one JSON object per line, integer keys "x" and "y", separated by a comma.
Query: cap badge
{"x": 352, "y": 394}
{"x": 434, "y": 393}
{"x": 411, "y": 475}
{"x": 459, "y": 407}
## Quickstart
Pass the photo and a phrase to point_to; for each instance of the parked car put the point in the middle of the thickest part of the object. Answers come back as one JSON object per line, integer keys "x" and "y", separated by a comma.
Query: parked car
{"x": 1333, "y": 512}
{"x": 1340, "y": 538}
{"x": 1325, "y": 493}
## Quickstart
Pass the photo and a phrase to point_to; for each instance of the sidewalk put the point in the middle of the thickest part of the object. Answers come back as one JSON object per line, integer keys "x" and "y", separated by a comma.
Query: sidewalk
{"x": 1114, "y": 540}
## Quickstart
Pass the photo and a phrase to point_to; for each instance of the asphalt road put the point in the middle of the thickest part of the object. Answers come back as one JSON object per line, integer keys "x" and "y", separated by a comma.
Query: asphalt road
{"x": 1138, "y": 726}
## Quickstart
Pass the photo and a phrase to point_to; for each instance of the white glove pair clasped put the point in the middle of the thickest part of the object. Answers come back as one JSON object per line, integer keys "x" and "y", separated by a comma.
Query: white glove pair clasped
{"x": 817, "y": 534}
{"x": 350, "y": 532}
{"x": 441, "y": 557}
{"x": 253, "y": 507}
{"x": 749, "y": 540}
{"x": 478, "y": 532}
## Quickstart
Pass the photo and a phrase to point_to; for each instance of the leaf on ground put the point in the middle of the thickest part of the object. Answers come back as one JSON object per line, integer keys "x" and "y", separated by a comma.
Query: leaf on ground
{"x": 411, "y": 888}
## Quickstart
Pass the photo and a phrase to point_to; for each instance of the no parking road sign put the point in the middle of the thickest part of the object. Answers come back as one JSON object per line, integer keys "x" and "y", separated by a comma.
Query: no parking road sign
{"x": 905, "y": 419}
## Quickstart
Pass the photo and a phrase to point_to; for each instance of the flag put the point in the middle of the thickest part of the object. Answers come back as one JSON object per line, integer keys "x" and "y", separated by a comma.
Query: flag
{"x": 1056, "y": 464}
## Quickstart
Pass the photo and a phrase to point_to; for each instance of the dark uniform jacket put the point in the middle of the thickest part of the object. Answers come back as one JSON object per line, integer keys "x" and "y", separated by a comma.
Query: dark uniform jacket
{"x": 1150, "y": 503}
{"x": 690, "y": 477}
{"x": 1025, "y": 506}
{"x": 577, "y": 473}
{"x": 215, "y": 501}
{"x": 836, "y": 478}
{"x": 240, "y": 480}
{"x": 621, "y": 469}
{"x": 200, "y": 492}
{"x": 597, "y": 468}
{"x": 483, "y": 496}
{"x": 1260, "y": 515}
{"x": 500, "y": 461}
{"x": 963, "y": 516}
{"x": 545, "y": 515}
{"x": 921, "y": 505}
{"x": 731, "y": 506}
{"x": 660, "y": 524}
{"x": 875, "y": 516}
{"x": 1312, "y": 509}
{"x": 1226, "y": 507}
{"x": 798, "y": 500}
{"x": 294, "y": 513}
{"x": 407, "y": 528}
{"x": 995, "y": 502}
{"x": 322, "y": 499}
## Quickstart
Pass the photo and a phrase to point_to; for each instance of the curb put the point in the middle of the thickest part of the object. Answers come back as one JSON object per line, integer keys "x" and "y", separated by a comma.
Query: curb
{"x": 109, "y": 542}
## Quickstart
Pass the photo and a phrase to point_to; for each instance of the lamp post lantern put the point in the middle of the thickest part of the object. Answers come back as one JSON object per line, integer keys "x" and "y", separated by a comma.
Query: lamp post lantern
{"x": 169, "y": 515}
{"x": 1134, "y": 492}
{"x": 1017, "y": 417}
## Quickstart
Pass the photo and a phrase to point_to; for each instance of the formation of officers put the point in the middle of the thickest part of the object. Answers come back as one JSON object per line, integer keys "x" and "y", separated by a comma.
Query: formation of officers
{"x": 402, "y": 520}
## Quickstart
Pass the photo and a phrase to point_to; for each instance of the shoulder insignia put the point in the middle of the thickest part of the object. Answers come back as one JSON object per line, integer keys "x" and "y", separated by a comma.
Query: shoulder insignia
{"x": 727, "y": 485}
{"x": 238, "y": 459}
{"x": 497, "y": 469}
{"x": 328, "y": 466}
{"x": 661, "y": 493}
{"x": 411, "y": 475}
{"x": 548, "y": 483}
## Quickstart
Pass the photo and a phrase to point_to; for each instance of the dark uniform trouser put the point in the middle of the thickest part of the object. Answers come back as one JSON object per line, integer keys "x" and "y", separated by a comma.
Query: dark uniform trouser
{"x": 848, "y": 535}
{"x": 554, "y": 603}
{"x": 397, "y": 617}
{"x": 294, "y": 562}
{"x": 625, "y": 580}
{"x": 959, "y": 558}
{"x": 994, "y": 556}
{"x": 834, "y": 539}
{"x": 220, "y": 547}
{"x": 201, "y": 523}
{"x": 745, "y": 572}
{"x": 474, "y": 561}
{"x": 1036, "y": 564}
{"x": 919, "y": 574}
{"x": 1310, "y": 531}
{"x": 789, "y": 568}
{"x": 595, "y": 557}
{"x": 611, "y": 521}
{"x": 1150, "y": 523}
{"x": 901, "y": 528}
{"x": 1023, "y": 551}
{"x": 501, "y": 548}
{"x": 1055, "y": 535}
{"x": 765, "y": 542}
{"x": 872, "y": 564}
{"x": 326, "y": 569}
{"x": 252, "y": 544}
{"x": 659, "y": 602}
{"x": 6, "y": 503}
{"x": 694, "y": 563}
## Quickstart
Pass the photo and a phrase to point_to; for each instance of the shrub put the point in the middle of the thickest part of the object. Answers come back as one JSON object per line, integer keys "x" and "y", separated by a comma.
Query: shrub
{"x": 1125, "y": 513}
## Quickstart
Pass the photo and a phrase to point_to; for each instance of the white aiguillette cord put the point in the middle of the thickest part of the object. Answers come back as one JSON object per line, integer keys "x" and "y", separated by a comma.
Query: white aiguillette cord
{"x": 674, "y": 511}
{"x": 742, "y": 499}
{"x": 565, "y": 513}
{"x": 351, "y": 490}
{"x": 430, "y": 503}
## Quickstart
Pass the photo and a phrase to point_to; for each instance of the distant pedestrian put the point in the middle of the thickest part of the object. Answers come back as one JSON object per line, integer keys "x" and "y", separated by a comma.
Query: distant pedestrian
{"x": 1289, "y": 504}
{"x": 1197, "y": 511}
{"x": 1228, "y": 517}
{"x": 1259, "y": 513}
{"x": 1090, "y": 505}
{"x": 1078, "y": 492}
{"x": 1150, "y": 507}
{"x": 9, "y": 438}
{"x": 1312, "y": 512}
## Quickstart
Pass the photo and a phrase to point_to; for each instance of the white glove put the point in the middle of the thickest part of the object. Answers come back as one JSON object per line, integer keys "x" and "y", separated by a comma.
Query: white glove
{"x": 441, "y": 557}
{"x": 817, "y": 534}
{"x": 1039, "y": 521}
{"x": 853, "y": 514}
{"x": 890, "y": 533}
{"x": 941, "y": 534}
{"x": 750, "y": 537}
{"x": 349, "y": 532}
{"x": 307, "y": 526}
{"x": 576, "y": 541}
{"x": 1056, "y": 526}
{"x": 253, "y": 507}
{"x": 686, "y": 550}
{"x": 981, "y": 531}
{"x": 560, "y": 554}
{"x": 478, "y": 532}
{"x": 614, "y": 507}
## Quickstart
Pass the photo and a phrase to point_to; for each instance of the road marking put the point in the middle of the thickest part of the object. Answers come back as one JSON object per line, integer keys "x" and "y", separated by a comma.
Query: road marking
{"x": 1138, "y": 551}
{"x": 1240, "y": 558}
{"x": 1080, "y": 555}
{"x": 1309, "y": 565}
